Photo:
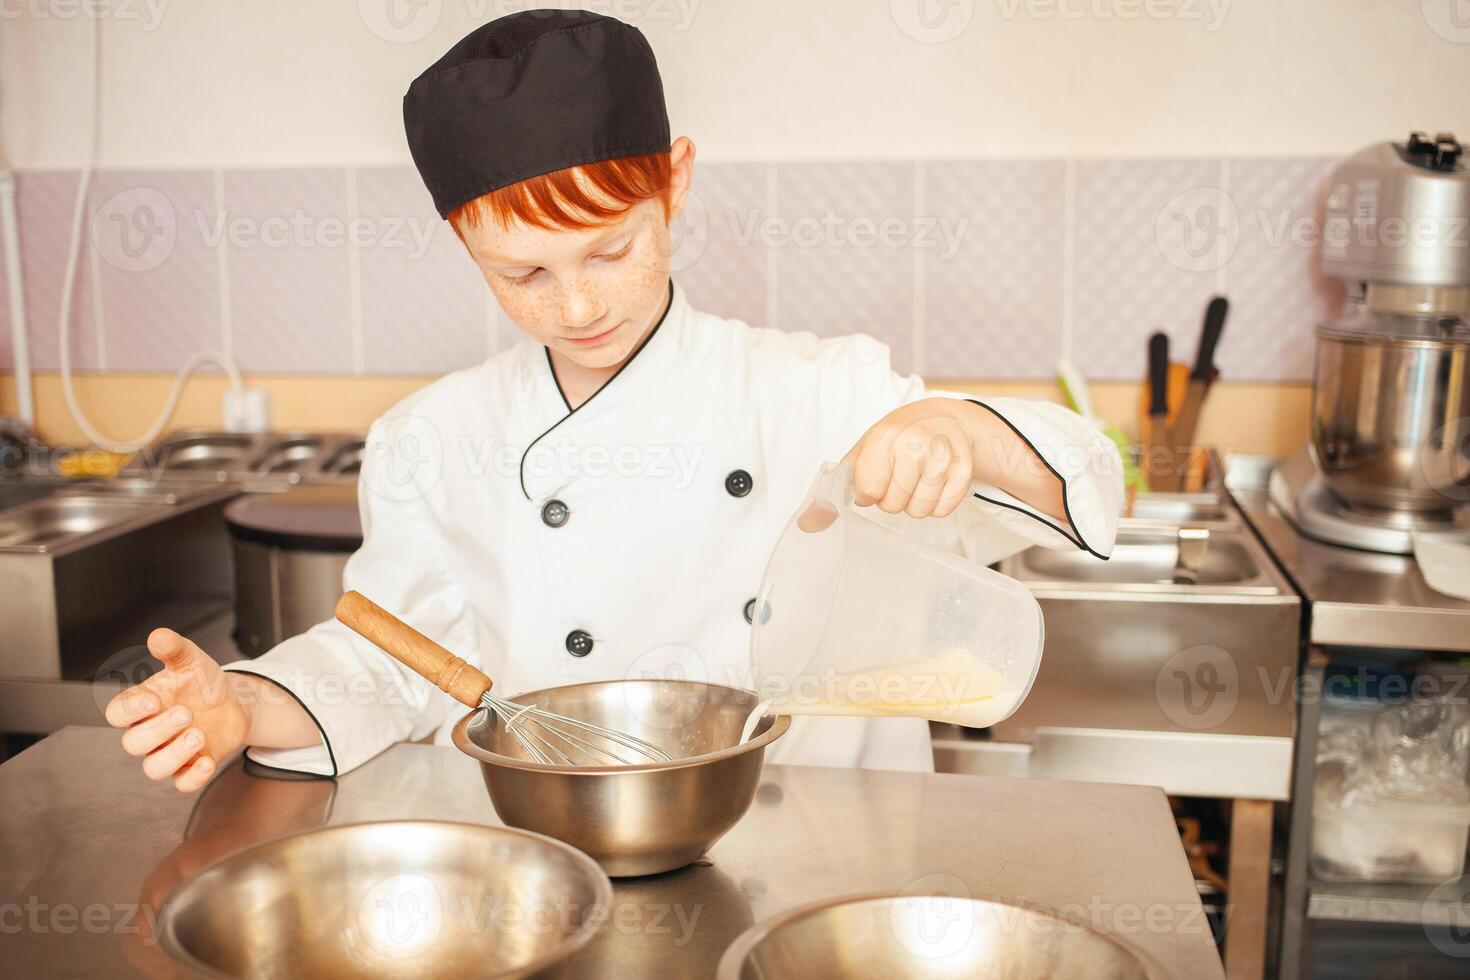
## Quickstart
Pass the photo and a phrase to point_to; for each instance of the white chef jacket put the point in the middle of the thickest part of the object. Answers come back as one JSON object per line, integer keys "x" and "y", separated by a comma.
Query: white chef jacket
{"x": 627, "y": 537}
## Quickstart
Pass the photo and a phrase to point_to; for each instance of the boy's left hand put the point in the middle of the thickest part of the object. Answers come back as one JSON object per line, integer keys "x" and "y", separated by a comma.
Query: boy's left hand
{"x": 918, "y": 459}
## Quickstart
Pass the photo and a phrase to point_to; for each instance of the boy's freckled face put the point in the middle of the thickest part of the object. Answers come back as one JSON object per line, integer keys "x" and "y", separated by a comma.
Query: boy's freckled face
{"x": 589, "y": 295}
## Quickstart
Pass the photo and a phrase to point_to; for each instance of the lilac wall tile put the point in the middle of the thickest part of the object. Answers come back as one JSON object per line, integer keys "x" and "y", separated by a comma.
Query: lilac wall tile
{"x": 1274, "y": 281}
{"x": 992, "y": 296}
{"x": 152, "y": 236}
{"x": 1149, "y": 244}
{"x": 719, "y": 257}
{"x": 423, "y": 299}
{"x": 286, "y": 234}
{"x": 46, "y": 200}
{"x": 833, "y": 277}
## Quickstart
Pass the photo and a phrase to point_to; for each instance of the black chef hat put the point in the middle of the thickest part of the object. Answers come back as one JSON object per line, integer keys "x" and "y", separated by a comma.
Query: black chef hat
{"x": 529, "y": 94}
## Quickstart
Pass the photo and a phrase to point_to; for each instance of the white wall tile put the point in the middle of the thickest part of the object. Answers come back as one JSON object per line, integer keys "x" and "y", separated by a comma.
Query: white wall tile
{"x": 993, "y": 308}
{"x": 150, "y": 234}
{"x": 1138, "y": 268}
{"x": 289, "y": 287}
{"x": 718, "y": 255}
{"x": 832, "y": 278}
{"x": 423, "y": 298}
{"x": 1274, "y": 280}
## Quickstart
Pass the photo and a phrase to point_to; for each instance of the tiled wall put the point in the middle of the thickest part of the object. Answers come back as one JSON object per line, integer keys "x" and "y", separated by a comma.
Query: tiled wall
{"x": 967, "y": 269}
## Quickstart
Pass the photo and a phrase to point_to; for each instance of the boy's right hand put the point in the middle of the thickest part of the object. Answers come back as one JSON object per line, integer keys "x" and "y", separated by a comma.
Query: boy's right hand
{"x": 184, "y": 719}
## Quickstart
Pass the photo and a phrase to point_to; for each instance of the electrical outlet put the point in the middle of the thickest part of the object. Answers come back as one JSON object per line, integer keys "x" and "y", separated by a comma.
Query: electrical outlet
{"x": 246, "y": 410}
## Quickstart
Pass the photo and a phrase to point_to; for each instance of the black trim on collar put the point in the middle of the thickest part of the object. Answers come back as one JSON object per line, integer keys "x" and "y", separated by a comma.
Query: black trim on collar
{"x": 331, "y": 756}
{"x": 573, "y": 411}
{"x": 1076, "y": 537}
{"x": 557, "y": 381}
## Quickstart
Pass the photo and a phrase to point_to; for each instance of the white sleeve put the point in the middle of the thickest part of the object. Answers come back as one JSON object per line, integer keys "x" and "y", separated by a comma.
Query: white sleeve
{"x": 859, "y": 387}
{"x": 361, "y": 699}
{"x": 1077, "y": 453}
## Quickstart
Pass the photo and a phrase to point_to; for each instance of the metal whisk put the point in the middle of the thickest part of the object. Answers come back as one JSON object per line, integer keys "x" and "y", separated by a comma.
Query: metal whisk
{"x": 548, "y": 738}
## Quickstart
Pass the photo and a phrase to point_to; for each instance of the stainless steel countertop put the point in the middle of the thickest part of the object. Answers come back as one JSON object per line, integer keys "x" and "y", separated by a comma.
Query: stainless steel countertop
{"x": 89, "y": 850}
{"x": 1359, "y": 598}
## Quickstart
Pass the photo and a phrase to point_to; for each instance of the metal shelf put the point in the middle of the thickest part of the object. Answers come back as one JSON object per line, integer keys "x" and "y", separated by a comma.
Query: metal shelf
{"x": 1402, "y": 904}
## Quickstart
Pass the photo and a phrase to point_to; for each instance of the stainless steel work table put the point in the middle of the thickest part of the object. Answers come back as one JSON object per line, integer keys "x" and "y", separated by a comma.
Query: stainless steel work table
{"x": 89, "y": 850}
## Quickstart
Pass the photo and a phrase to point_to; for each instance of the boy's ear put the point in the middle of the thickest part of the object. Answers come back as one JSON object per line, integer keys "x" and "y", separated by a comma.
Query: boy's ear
{"x": 681, "y": 174}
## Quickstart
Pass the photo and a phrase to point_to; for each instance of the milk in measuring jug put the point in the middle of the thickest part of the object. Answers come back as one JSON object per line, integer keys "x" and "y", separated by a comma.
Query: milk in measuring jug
{"x": 950, "y": 687}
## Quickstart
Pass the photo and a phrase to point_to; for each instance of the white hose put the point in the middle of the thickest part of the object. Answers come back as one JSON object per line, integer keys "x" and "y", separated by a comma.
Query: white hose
{"x": 19, "y": 334}
{"x": 68, "y": 283}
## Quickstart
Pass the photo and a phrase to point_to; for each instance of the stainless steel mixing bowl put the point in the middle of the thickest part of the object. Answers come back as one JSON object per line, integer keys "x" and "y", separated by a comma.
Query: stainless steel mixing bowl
{"x": 392, "y": 899}
{"x": 936, "y": 938}
{"x": 634, "y": 820}
{"x": 1391, "y": 416}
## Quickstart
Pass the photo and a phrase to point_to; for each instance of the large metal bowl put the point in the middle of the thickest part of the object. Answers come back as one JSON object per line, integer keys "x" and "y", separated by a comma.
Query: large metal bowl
{"x": 633, "y": 820}
{"x": 1391, "y": 418}
{"x": 931, "y": 937}
{"x": 394, "y": 899}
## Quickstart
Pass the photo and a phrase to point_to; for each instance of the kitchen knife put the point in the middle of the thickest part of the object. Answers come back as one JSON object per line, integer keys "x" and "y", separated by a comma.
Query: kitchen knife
{"x": 1156, "y": 426}
{"x": 1200, "y": 380}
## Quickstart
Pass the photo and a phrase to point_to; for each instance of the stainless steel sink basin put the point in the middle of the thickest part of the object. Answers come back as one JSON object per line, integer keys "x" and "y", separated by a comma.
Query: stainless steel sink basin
{"x": 292, "y": 454}
{"x": 48, "y": 522}
{"x": 253, "y": 461}
{"x": 195, "y": 454}
{"x": 1177, "y": 508}
{"x": 345, "y": 459}
{"x": 71, "y": 516}
{"x": 135, "y": 490}
{"x": 1186, "y": 628}
{"x": 208, "y": 452}
{"x": 14, "y": 493}
{"x": 1145, "y": 556}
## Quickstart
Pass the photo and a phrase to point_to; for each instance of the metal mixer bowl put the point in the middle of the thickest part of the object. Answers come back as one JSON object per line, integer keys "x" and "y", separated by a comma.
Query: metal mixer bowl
{"x": 391, "y": 899}
{"x": 634, "y": 820}
{"x": 1391, "y": 416}
{"x": 930, "y": 937}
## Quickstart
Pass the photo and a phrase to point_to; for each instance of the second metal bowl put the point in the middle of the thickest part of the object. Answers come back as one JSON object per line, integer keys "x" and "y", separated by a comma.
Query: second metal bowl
{"x": 933, "y": 937}
{"x": 410, "y": 898}
{"x": 634, "y": 820}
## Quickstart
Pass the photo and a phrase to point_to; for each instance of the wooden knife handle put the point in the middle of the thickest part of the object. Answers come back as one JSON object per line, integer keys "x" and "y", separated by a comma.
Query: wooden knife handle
{"x": 461, "y": 681}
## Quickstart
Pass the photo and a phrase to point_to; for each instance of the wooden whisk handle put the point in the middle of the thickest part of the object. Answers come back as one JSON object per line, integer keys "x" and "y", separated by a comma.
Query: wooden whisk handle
{"x": 461, "y": 681}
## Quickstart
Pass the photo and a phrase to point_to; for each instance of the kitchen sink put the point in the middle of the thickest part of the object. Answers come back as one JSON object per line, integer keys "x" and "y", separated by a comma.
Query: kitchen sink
{"x": 14, "y": 493}
{"x": 52, "y": 520}
{"x": 345, "y": 459}
{"x": 1188, "y": 628}
{"x": 258, "y": 462}
{"x": 195, "y": 453}
{"x": 1147, "y": 557}
{"x": 71, "y": 516}
{"x": 289, "y": 455}
{"x": 1177, "y": 508}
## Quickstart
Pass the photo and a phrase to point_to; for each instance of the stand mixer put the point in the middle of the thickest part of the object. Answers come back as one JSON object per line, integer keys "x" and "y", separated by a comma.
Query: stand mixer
{"x": 1389, "y": 455}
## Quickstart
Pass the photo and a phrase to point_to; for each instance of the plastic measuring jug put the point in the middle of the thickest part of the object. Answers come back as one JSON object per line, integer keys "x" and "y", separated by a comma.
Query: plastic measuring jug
{"x": 861, "y": 617}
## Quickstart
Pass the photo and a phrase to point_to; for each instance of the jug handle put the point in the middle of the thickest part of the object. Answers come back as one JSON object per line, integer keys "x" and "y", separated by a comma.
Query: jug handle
{"x": 831, "y": 494}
